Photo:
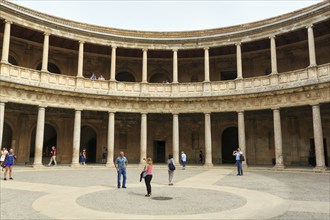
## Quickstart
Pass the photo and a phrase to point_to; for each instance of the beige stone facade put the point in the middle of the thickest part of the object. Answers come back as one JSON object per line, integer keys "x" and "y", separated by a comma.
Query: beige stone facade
{"x": 263, "y": 86}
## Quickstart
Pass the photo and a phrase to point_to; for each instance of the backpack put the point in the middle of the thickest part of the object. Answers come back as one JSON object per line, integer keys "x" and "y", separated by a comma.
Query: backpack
{"x": 171, "y": 166}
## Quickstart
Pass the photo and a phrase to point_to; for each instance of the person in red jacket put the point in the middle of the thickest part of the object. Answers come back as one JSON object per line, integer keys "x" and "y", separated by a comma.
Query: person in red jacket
{"x": 53, "y": 156}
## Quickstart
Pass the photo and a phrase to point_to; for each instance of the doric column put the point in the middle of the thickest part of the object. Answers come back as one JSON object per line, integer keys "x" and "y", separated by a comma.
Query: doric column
{"x": 241, "y": 135}
{"x": 311, "y": 46}
{"x": 278, "y": 139}
{"x": 273, "y": 54}
{"x": 2, "y": 120}
{"x": 113, "y": 64}
{"x": 239, "y": 60}
{"x": 143, "y": 139}
{"x": 45, "y": 52}
{"x": 206, "y": 65}
{"x": 175, "y": 65}
{"x": 176, "y": 138}
{"x": 208, "y": 140}
{"x": 39, "y": 137}
{"x": 6, "y": 42}
{"x": 81, "y": 59}
{"x": 111, "y": 139}
{"x": 318, "y": 137}
{"x": 144, "y": 65}
{"x": 76, "y": 138}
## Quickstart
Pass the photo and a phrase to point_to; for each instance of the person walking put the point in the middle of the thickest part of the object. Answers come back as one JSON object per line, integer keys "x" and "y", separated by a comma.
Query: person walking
{"x": 148, "y": 177}
{"x": 201, "y": 156}
{"x": 104, "y": 154}
{"x": 53, "y": 156}
{"x": 4, "y": 152}
{"x": 183, "y": 160}
{"x": 9, "y": 161}
{"x": 83, "y": 157}
{"x": 237, "y": 153}
{"x": 121, "y": 165}
{"x": 171, "y": 168}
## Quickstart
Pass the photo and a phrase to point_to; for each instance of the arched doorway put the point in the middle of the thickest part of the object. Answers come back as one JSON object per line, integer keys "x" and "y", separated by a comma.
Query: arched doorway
{"x": 88, "y": 142}
{"x": 50, "y": 139}
{"x": 159, "y": 78}
{"x": 7, "y": 136}
{"x": 52, "y": 68}
{"x": 229, "y": 141}
{"x": 125, "y": 77}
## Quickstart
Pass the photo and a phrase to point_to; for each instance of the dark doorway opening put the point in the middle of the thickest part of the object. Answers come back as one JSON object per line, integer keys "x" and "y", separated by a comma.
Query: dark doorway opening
{"x": 159, "y": 151}
{"x": 7, "y": 136}
{"x": 312, "y": 157}
{"x": 88, "y": 142}
{"x": 229, "y": 142}
{"x": 50, "y": 139}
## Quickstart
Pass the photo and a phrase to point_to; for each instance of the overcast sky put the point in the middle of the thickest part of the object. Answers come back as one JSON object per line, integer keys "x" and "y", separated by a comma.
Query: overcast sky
{"x": 165, "y": 15}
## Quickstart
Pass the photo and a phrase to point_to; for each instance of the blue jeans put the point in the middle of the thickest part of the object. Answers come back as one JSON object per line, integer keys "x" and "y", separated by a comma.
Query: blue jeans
{"x": 121, "y": 172}
{"x": 184, "y": 163}
{"x": 239, "y": 167}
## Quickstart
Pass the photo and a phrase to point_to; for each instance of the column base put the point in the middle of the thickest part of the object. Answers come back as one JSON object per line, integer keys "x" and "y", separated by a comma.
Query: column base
{"x": 37, "y": 166}
{"x": 279, "y": 167}
{"x": 75, "y": 165}
{"x": 110, "y": 165}
{"x": 320, "y": 168}
{"x": 244, "y": 165}
{"x": 208, "y": 165}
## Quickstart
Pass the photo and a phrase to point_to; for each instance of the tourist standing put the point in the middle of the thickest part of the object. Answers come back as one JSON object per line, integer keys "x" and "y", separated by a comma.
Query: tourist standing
{"x": 53, "y": 156}
{"x": 201, "y": 156}
{"x": 121, "y": 165}
{"x": 183, "y": 160}
{"x": 171, "y": 169}
{"x": 104, "y": 154}
{"x": 237, "y": 153}
{"x": 83, "y": 157}
{"x": 9, "y": 161}
{"x": 4, "y": 152}
{"x": 148, "y": 177}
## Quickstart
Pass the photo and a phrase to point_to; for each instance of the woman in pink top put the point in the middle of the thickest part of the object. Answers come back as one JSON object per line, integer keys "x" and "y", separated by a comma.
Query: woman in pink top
{"x": 147, "y": 179}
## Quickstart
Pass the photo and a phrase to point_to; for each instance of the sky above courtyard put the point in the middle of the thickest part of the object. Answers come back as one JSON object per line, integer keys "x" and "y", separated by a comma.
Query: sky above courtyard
{"x": 165, "y": 15}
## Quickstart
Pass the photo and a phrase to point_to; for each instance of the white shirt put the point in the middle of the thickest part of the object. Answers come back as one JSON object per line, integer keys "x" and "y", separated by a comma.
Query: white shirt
{"x": 183, "y": 157}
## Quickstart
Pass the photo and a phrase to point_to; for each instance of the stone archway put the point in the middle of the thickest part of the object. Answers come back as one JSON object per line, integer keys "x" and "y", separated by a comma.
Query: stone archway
{"x": 125, "y": 76}
{"x": 88, "y": 141}
{"x": 52, "y": 68}
{"x": 50, "y": 139}
{"x": 159, "y": 78}
{"x": 229, "y": 141}
{"x": 7, "y": 136}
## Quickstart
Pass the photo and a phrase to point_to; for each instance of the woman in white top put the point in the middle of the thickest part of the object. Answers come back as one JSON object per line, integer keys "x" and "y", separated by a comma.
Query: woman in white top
{"x": 4, "y": 152}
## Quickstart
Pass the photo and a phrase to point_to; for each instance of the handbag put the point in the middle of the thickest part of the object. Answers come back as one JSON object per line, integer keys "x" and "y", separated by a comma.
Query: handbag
{"x": 143, "y": 175}
{"x": 242, "y": 157}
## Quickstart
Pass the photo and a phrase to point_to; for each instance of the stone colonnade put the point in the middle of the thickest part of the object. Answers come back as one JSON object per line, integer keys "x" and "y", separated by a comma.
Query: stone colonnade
{"x": 6, "y": 44}
{"x": 317, "y": 129}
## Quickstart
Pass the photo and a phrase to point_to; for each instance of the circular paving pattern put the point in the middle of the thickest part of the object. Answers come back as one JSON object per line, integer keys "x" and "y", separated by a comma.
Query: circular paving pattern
{"x": 171, "y": 200}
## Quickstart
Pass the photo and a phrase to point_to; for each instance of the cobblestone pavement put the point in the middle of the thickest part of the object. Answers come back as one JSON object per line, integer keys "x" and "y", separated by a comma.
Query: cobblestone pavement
{"x": 90, "y": 192}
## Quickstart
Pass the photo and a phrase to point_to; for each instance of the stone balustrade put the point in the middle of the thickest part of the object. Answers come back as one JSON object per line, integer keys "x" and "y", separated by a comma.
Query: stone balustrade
{"x": 275, "y": 82}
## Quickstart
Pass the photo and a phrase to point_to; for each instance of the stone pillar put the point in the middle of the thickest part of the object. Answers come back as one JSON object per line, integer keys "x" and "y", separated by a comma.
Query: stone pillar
{"x": 278, "y": 139}
{"x": 208, "y": 140}
{"x": 2, "y": 121}
{"x": 39, "y": 137}
{"x": 143, "y": 139}
{"x": 206, "y": 65}
{"x": 6, "y": 42}
{"x": 45, "y": 53}
{"x": 113, "y": 64}
{"x": 239, "y": 60}
{"x": 241, "y": 135}
{"x": 81, "y": 59}
{"x": 76, "y": 138}
{"x": 311, "y": 46}
{"x": 144, "y": 65}
{"x": 273, "y": 54}
{"x": 318, "y": 137}
{"x": 175, "y": 66}
{"x": 176, "y": 138}
{"x": 111, "y": 139}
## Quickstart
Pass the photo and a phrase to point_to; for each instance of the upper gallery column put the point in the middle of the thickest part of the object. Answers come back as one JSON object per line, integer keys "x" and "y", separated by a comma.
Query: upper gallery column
{"x": 311, "y": 46}
{"x": 176, "y": 138}
{"x": 206, "y": 65}
{"x": 2, "y": 120}
{"x": 241, "y": 135}
{"x": 175, "y": 65}
{"x": 273, "y": 54}
{"x": 239, "y": 60}
{"x": 144, "y": 65}
{"x": 111, "y": 139}
{"x": 81, "y": 59}
{"x": 143, "y": 138}
{"x": 45, "y": 52}
{"x": 39, "y": 137}
{"x": 208, "y": 140}
{"x": 76, "y": 138}
{"x": 278, "y": 139}
{"x": 318, "y": 137}
{"x": 6, "y": 42}
{"x": 113, "y": 64}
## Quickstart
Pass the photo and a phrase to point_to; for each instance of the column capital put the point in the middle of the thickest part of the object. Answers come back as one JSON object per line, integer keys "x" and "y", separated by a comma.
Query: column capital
{"x": 175, "y": 114}
{"x": 42, "y": 106}
{"x": 240, "y": 111}
{"x": 206, "y": 48}
{"x": 78, "y": 109}
{"x": 309, "y": 26}
{"x": 144, "y": 49}
{"x": 207, "y": 113}
{"x": 113, "y": 46}
{"x": 276, "y": 108}
{"x": 175, "y": 49}
{"x": 111, "y": 112}
{"x": 7, "y": 21}
{"x": 144, "y": 113}
{"x": 81, "y": 41}
{"x": 315, "y": 104}
{"x": 239, "y": 43}
{"x": 273, "y": 36}
{"x": 47, "y": 33}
